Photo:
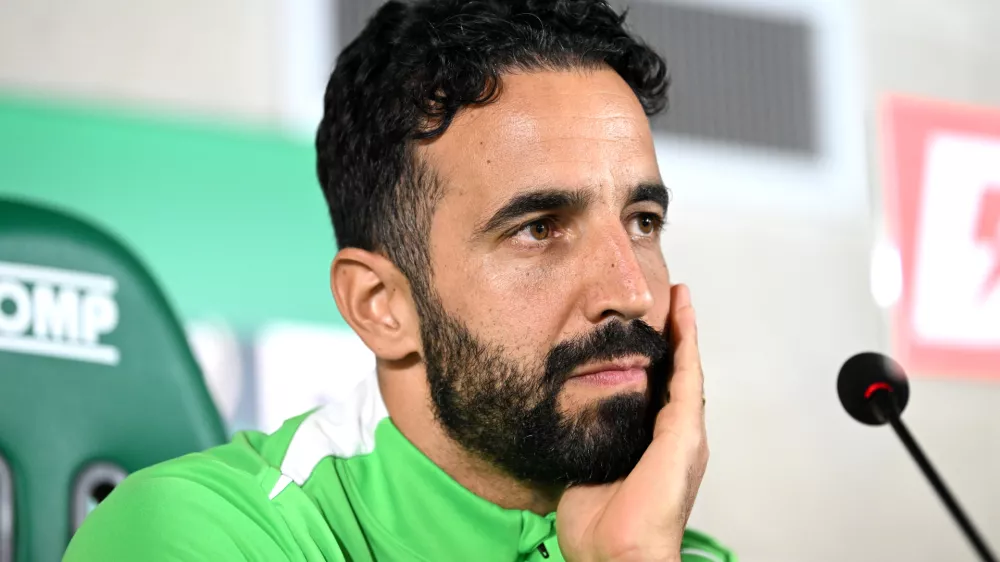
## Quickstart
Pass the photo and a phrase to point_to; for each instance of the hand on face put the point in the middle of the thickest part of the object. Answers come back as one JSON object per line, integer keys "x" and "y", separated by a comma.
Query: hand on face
{"x": 643, "y": 516}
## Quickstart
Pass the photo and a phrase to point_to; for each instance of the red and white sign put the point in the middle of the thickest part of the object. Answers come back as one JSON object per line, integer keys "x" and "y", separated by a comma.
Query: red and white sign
{"x": 942, "y": 192}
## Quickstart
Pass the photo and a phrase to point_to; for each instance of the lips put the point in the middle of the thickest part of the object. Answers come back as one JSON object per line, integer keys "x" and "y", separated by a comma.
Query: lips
{"x": 624, "y": 366}
{"x": 613, "y": 373}
{"x": 634, "y": 346}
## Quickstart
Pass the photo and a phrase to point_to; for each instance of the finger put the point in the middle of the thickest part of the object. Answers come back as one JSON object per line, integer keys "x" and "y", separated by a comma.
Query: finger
{"x": 683, "y": 415}
{"x": 687, "y": 382}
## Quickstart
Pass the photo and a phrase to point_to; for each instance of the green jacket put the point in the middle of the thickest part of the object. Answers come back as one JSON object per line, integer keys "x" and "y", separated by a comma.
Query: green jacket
{"x": 340, "y": 483}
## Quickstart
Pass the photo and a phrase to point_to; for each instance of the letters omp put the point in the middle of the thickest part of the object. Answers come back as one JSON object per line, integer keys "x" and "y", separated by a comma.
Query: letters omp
{"x": 57, "y": 313}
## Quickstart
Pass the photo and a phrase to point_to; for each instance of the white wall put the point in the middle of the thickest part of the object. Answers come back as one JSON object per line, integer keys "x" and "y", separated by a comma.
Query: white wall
{"x": 782, "y": 303}
{"x": 937, "y": 48}
{"x": 945, "y": 50}
{"x": 214, "y": 58}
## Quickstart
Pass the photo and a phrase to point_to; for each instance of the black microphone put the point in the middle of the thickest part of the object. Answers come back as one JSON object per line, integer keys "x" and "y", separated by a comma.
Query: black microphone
{"x": 874, "y": 390}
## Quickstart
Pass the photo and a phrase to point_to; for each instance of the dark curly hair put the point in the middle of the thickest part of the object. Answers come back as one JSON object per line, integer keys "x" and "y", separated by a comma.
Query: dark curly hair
{"x": 413, "y": 68}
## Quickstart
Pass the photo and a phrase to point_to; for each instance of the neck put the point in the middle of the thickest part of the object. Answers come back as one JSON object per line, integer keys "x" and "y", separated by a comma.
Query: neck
{"x": 407, "y": 398}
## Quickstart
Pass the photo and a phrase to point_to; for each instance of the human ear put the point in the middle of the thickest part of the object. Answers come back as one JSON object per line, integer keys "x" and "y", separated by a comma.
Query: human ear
{"x": 373, "y": 296}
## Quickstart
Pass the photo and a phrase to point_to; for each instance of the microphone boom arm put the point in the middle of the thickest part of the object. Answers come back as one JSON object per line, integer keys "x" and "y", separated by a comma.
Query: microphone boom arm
{"x": 884, "y": 406}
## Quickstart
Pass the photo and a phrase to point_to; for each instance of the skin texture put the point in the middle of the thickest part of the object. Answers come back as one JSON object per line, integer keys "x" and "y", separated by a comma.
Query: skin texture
{"x": 528, "y": 286}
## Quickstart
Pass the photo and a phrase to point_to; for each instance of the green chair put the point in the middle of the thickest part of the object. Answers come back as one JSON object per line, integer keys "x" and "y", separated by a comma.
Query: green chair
{"x": 96, "y": 377}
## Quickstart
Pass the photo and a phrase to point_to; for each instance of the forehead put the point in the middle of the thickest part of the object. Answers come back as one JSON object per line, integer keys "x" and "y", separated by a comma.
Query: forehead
{"x": 566, "y": 129}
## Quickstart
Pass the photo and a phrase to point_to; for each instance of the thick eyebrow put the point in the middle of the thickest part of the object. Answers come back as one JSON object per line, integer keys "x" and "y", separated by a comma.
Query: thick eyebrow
{"x": 544, "y": 200}
{"x": 649, "y": 191}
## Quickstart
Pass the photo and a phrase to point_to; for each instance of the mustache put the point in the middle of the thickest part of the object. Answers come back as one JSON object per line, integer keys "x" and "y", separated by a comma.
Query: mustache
{"x": 611, "y": 341}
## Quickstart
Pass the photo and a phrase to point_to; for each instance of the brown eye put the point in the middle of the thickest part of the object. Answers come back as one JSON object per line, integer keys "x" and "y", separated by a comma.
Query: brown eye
{"x": 647, "y": 224}
{"x": 540, "y": 230}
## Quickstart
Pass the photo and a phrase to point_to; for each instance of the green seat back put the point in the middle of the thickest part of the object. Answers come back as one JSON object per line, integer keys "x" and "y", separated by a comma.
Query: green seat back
{"x": 96, "y": 376}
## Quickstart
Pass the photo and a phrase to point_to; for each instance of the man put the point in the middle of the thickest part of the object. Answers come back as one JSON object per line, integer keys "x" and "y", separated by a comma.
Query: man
{"x": 490, "y": 173}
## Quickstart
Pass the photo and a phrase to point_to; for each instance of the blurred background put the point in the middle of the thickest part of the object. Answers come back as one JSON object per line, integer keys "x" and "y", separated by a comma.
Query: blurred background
{"x": 833, "y": 163}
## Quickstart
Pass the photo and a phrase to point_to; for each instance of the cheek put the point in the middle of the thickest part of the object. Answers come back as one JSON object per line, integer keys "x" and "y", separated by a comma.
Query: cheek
{"x": 658, "y": 280}
{"x": 531, "y": 299}
{"x": 519, "y": 306}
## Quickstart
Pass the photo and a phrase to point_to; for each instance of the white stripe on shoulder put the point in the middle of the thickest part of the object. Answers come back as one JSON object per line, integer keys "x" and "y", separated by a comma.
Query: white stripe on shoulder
{"x": 701, "y": 554}
{"x": 281, "y": 484}
{"x": 343, "y": 428}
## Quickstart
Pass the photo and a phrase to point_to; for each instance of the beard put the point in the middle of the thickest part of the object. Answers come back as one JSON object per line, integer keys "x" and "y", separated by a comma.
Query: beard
{"x": 508, "y": 414}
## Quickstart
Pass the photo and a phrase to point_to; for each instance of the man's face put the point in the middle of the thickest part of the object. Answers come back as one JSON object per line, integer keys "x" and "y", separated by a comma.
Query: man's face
{"x": 543, "y": 338}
